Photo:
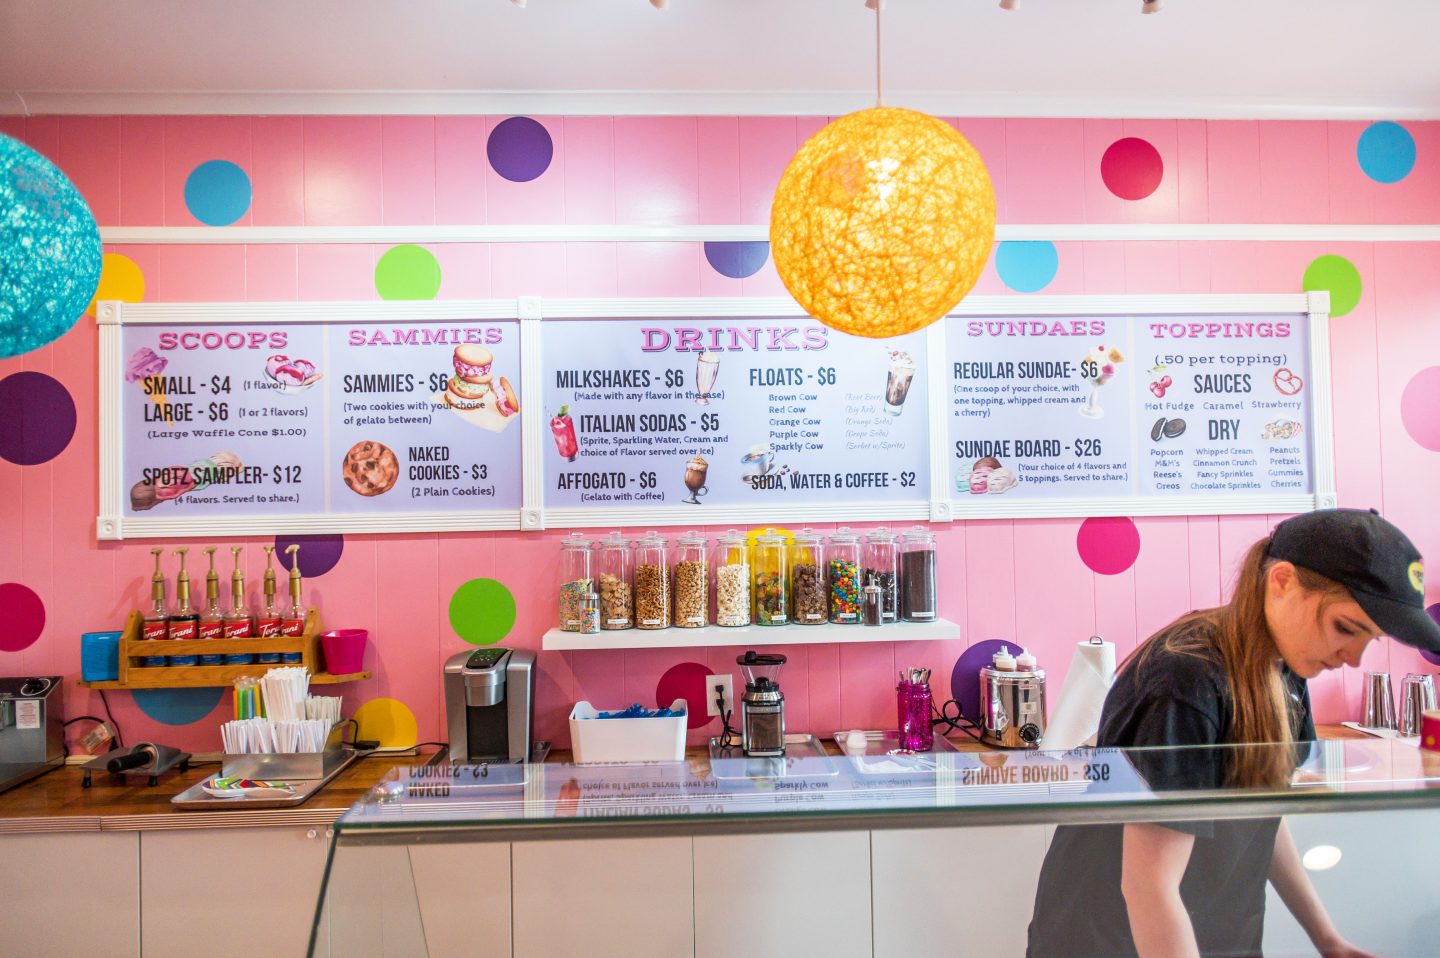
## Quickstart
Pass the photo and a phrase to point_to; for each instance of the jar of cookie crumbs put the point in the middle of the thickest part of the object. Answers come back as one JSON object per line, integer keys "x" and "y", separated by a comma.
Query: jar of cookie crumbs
{"x": 614, "y": 579}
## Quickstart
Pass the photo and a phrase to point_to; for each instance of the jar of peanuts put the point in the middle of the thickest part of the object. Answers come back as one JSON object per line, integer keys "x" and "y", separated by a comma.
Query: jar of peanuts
{"x": 690, "y": 581}
{"x": 652, "y": 582}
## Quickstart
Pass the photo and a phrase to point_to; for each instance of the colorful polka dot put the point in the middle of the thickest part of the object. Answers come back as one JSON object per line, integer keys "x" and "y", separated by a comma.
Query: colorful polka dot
{"x": 482, "y": 611}
{"x": 520, "y": 149}
{"x": 22, "y": 617}
{"x": 318, "y": 553}
{"x": 39, "y": 419}
{"x": 120, "y": 278}
{"x": 1026, "y": 266}
{"x": 1132, "y": 168}
{"x": 686, "y": 681}
{"x": 407, "y": 272}
{"x": 1338, "y": 275}
{"x": 1386, "y": 152}
{"x": 49, "y": 250}
{"x": 178, "y": 706}
{"x": 737, "y": 260}
{"x": 965, "y": 676}
{"x": 217, "y": 193}
{"x": 1434, "y": 612}
{"x": 389, "y": 722}
{"x": 1420, "y": 408}
{"x": 1108, "y": 544}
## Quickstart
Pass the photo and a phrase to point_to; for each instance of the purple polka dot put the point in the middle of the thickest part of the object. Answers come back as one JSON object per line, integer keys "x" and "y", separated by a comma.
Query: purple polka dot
{"x": 39, "y": 419}
{"x": 737, "y": 260}
{"x": 1420, "y": 408}
{"x": 1432, "y": 657}
{"x": 1131, "y": 168}
{"x": 318, "y": 554}
{"x": 1108, "y": 544}
{"x": 22, "y": 617}
{"x": 520, "y": 149}
{"x": 686, "y": 681}
{"x": 965, "y": 677}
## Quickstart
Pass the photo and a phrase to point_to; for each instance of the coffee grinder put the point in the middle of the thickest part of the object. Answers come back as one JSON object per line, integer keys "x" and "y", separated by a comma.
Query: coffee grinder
{"x": 762, "y": 707}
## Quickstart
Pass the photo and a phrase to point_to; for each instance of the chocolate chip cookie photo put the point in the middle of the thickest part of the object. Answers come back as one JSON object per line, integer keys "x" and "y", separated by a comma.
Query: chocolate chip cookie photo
{"x": 370, "y": 468}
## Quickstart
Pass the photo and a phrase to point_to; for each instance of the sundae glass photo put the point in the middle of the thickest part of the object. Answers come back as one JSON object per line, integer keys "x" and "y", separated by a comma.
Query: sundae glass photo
{"x": 1099, "y": 366}
{"x": 707, "y": 367}
{"x": 897, "y": 382}
{"x": 695, "y": 471}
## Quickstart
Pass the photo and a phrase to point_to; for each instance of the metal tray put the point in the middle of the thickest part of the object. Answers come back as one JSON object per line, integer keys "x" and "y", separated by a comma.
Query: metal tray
{"x": 804, "y": 758}
{"x": 196, "y": 797}
{"x": 876, "y": 759}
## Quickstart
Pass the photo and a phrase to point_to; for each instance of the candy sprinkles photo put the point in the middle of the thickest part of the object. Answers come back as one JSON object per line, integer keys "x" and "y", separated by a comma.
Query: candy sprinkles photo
{"x": 893, "y": 477}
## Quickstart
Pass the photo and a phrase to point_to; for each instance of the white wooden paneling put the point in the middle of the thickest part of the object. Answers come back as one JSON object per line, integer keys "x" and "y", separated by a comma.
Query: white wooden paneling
{"x": 70, "y": 894}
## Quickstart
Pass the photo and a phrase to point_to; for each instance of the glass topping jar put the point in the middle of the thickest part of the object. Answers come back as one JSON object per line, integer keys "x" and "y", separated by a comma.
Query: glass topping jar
{"x": 615, "y": 578}
{"x": 690, "y": 581}
{"x": 808, "y": 597}
{"x": 576, "y": 580}
{"x": 652, "y": 582}
{"x": 731, "y": 562}
{"x": 769, "y": 591}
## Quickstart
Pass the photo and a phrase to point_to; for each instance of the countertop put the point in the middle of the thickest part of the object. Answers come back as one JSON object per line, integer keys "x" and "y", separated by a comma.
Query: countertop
{"x": 56, "y": 802}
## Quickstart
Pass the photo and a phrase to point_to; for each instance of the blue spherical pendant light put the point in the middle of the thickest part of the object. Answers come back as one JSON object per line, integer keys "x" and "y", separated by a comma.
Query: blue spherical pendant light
{"x": 49, "y": 251}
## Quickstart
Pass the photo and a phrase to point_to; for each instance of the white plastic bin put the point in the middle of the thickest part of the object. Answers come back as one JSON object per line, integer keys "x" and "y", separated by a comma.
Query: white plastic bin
{"x": 627, "y": 739}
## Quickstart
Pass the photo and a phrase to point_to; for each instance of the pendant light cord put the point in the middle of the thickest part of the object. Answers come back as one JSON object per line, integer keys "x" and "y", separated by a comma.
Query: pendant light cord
{"x": 878, "y": 5}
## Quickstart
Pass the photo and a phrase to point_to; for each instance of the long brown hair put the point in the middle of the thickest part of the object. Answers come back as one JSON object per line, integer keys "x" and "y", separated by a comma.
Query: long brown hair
{"x": 1238, "y": 634}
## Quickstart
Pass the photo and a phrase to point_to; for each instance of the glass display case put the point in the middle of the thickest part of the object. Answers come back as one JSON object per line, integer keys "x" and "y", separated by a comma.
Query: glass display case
{"x": 898, "y": 830}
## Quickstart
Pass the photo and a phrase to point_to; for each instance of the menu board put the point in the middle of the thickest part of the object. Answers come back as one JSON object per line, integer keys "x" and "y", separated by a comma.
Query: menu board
{"x": 241, "y": 418}
{"x": 1096, "y": 407}
{"x": 732, "y": 412}
{"x": 305, "y": 419}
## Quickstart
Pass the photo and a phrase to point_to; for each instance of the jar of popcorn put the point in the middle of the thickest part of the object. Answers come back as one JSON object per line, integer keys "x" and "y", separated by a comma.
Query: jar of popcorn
{"x": 731, "y": 562}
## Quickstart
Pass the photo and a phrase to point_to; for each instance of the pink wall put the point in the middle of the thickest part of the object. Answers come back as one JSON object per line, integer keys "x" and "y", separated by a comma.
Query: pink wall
{"x": 1015, "y": 580}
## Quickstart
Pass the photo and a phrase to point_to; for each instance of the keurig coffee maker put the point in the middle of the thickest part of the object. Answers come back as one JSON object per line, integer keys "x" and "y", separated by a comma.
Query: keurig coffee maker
{"x": 490, "y": 705}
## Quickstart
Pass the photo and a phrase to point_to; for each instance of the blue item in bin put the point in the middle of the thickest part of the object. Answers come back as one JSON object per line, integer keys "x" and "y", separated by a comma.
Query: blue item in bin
{"x": 639, "y": 711}
{"x": 100, "y": 656}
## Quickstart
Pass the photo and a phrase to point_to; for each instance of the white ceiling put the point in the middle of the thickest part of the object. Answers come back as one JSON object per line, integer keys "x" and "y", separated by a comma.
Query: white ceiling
{"x": 1361, "y": 59}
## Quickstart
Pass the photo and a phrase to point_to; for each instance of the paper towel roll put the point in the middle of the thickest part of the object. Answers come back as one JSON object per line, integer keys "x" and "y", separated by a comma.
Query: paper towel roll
{"x": 1076, "y": 717}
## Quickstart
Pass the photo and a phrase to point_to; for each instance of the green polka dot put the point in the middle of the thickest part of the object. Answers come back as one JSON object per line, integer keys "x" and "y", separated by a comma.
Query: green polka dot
{"x": 482, "y": 611}
{"x": 1340, "y": 277}
{"x": 407, "y": 272}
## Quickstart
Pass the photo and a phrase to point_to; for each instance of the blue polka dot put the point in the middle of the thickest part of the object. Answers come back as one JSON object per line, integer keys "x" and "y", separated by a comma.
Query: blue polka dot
{"x": 178, "y": 706}
{"x": 1026, "y": 266}
{"x": 737, "y": 260}
{"x": 217, "y": 193}
{"x": 520, "y": 149}
{"x": 1386, "y": 152}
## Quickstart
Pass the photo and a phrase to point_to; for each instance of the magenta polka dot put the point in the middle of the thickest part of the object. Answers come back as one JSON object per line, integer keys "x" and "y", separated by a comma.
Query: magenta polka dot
{"x": 1108, "y": 544}
{"x": 39, "y": 418}
{"x": 1132, "y": 168}
{"x": 685, "y": 681}
{"x": 22, "y": 617}
{"x": 1420, "y": 408}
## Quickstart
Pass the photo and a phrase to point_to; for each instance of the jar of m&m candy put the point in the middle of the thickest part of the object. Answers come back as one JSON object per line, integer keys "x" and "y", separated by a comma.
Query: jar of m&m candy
{"x": 843, "y": 564}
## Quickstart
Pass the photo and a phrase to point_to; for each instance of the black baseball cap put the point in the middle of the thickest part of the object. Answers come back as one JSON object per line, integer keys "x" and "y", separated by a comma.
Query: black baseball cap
{"x": 1360, "y": 550}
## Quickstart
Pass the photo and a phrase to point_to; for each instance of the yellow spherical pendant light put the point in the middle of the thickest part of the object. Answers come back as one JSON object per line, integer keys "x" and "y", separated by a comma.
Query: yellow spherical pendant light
{"x": 882, "y": 222}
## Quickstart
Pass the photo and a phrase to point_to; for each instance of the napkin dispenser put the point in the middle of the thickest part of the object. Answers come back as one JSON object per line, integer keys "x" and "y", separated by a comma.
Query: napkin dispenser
{"x": 490, "y": 705}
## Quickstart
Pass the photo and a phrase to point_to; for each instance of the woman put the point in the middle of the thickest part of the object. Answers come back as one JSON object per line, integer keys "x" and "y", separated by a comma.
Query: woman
{"x": 1308, "y": 598}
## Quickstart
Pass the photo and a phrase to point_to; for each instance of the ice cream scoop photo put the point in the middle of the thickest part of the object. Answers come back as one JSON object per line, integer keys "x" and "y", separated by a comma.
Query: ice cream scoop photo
{"x": 292, "y": 375}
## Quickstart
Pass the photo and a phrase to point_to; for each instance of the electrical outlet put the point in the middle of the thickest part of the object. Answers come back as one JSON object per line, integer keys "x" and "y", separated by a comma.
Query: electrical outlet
{"x": 726, "y": 683}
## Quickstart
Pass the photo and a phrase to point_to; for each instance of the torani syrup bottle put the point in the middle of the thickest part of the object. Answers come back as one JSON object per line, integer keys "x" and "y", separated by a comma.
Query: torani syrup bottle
{"x": 212, "y": 620}
{"x": 292, "y": 623}
{"x": 267, "y": 622}
{"x": 156, "y": 622}
{"x": 238, "y": 624}
{"x": 185, "y": 620}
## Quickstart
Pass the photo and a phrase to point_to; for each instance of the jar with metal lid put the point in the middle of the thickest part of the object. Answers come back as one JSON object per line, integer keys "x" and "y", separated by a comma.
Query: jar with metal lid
{"x": 917, "y": 576}
{"x": 616, "y": 582}
{"x": 770, "y": 582}
{"x": 842, "y": 567}
{"x": 690, "y": 581}
{"x": 577, "y": 555}
{"x": 652, "y": 582}
{"x": 882, "y": 568}
{"x": 808, "y": 598}
{"x": 731, "y": 561}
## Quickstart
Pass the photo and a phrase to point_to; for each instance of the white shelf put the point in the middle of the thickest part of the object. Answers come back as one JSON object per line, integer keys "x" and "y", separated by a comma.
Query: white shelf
{"x": 762, "y": 635}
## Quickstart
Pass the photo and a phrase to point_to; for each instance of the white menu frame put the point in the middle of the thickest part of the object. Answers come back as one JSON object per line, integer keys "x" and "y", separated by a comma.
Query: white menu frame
{"x": 111, "y": 316}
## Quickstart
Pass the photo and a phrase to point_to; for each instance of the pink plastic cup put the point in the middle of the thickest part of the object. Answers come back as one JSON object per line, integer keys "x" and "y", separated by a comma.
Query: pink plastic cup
{"x": 344, "y": 650}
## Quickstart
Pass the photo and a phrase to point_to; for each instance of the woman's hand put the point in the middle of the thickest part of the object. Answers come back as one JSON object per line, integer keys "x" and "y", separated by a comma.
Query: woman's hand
{"x": 1338, "y": 947}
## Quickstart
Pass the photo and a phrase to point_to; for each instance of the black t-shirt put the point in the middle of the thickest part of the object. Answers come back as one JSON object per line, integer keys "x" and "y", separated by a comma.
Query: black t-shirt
{"x": 1171, "y": 699}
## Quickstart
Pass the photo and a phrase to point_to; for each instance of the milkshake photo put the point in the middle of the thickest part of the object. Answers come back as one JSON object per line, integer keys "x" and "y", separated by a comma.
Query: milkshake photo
{"x": 898, "y": 380}
{"x": 707, "y": 367}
